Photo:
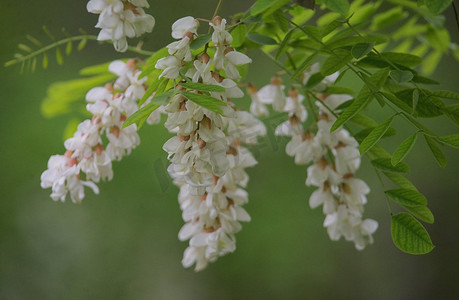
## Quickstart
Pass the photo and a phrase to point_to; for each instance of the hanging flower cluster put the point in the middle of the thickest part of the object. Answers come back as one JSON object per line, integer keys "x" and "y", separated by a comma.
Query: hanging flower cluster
{"x": 87, "y": 159}
{"x": 208, "y": 157}
{"x": 119, "y": 19}
{"x": 334, "y": 156}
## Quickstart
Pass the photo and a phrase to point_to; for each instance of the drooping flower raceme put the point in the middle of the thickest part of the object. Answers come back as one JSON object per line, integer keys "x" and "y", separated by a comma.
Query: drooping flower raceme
{"x": 334, "y": 156}
{"x": 208, "y": 157}
{"x": 121, "y": 19}
{"x": 88, "y": 159}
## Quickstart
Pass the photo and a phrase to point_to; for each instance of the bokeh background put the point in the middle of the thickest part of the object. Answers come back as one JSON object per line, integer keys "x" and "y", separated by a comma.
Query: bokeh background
{"x": 123, "y": 243}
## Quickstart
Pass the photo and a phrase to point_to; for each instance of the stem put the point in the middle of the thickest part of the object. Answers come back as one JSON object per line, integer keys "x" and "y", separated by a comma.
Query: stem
{"x": 384, "y": 187}
{"x": 455, "y": 15}
{"x": 67, "y": 40}
{"x": 217, "y": 9}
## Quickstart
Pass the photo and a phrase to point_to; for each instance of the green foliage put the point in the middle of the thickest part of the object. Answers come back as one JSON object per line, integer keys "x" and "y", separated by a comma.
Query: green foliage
{"x": 409, "y": 235}
{"x": 375, "y": 135}
{"x": 362, "y": 49}
{"x": 403, "y": 149}
{"x": 339, "y": 6}
{"x": 205, "y": 101}
{"x": 450, "y": 140}
{"x": 437, "y": 6}
{"x": 423, "y": 213}
{"x": 407, "y": 197}
{"x": 401, "y": 76}
{"x": 200, "y": 41}
{"x": 63, "y": 97}
{"x": 203, "y": 87}
{"x": 376, "y": 81}
{"x": 385, "y": 165}
{"x": 436, "y": 151}
{"x": 261, "y": 39}
{"x": 336, "y": 61}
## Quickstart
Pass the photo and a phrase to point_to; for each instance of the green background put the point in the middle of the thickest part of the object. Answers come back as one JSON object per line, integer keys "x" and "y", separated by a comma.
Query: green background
{"x": 123, "y": 243}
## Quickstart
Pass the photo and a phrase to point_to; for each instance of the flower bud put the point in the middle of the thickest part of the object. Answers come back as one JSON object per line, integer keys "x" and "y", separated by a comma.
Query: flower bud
{"x": 217, "y": 20}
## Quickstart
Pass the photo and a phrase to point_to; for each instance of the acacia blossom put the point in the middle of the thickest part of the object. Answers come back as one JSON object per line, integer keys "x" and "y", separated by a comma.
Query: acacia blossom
{"x": 334, "y": 156}
{"x": 119, "y": 19}
{"x": 88, "y": 159}
{"x": 208, "y": 157}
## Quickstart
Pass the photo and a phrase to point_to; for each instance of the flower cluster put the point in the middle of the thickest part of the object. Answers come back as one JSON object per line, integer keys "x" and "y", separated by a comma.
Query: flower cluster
{"x": 87, "y": 160}
{"x": 119, "y": 19}
{"x": 334, "y": 156}
{"x": 208, "y": 157}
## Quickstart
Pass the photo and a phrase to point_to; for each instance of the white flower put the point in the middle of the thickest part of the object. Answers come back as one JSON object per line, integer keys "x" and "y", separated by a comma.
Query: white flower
{"x": 364, "y": 235}
{"x": 180, "y": 49}
{"x": 304, "y": 148}
{"x": 273, "y": 94}
{"x": 232, "y": 60}
{"x": 294, "y": 106}
{"x": 86, "y": 153}
{"x": 220, "y": 36}
{"x": 120, "y": 19}
{"x": 184, "y": 25}
{"x": 171, "y": 66}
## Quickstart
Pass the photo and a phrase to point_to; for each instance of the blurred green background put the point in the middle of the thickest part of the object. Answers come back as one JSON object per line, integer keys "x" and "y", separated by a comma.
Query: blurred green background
{"x": 123, "y": 243}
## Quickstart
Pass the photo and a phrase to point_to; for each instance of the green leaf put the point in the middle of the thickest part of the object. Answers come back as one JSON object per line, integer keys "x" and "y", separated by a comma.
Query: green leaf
{"x": 338, "y": 90}
{"x": 364, "y": 121}
{"x": 446, "y": 94}
{"x": 336, "y": 61}
{"x": 62, "y": 96}
{"x": 238, "y": 33}
{"x": 261, "y": 39}
{"x": 437, "y": 6}
{"x": 59, "y": 58}
{"x": 45, "y": 61}
{"x": 409, "y": 235}
{"x": 206, "y": 101}
{"x": 304, "y": 65}
{"x": 400, "y": 76}
{"x": 401, "y": 59}
{"x": 362, "y": 134}
{"x": 203, "y": 87}
{"x": 428, "y": 106}
{"x": 436, "y": 151}
{"x": 361, "y": 49}
{"x": 68, "y": 49}
{"x": 397, "y": 101}
{"x": 415, "y": 99}
{"x": 200, "y": 41}
{"x": 388, "y": 18}
{"x": 71, "y": 128}
{"x": 450, "y": 140}
{"x": 260, "y": 6}
{"x": 400, "y": 180}
{"x": 452, "y": 112}
{"x": 423, "y": 213}
{"x": 314, "y": 80}
{"x": 82, "y": 44}
{"x": 356, "y": 106}
{"x": 263, "y": 5}
{"x": 339, "y": 6}
{"x": 151, "y": 89}
{"x": 407, "y": 197}
{"x": 284, "y": 42}
{"x": 385, "y": 165}
{"x": 375, "y": 135}
{"x": 141, "y": 115}
{"x": 403, "y": 149}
